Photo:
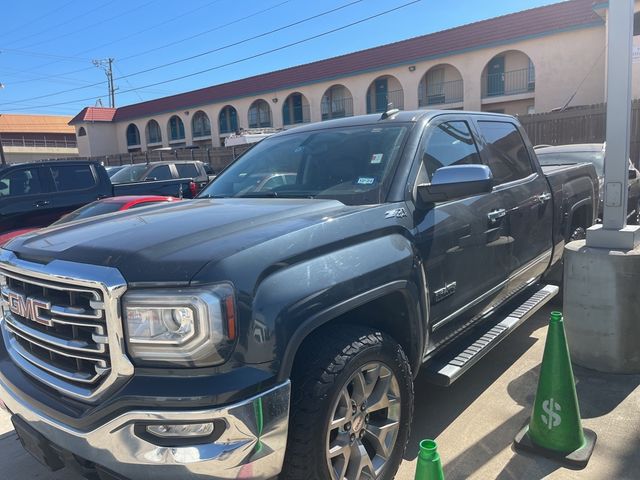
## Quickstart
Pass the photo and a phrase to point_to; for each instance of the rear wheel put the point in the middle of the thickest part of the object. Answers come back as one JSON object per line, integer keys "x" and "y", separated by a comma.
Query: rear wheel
{"x": 351, "y": 407}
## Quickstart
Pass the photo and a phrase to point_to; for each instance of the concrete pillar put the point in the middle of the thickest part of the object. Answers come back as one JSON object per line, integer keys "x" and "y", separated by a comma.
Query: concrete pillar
{"x": 602, "y": 307}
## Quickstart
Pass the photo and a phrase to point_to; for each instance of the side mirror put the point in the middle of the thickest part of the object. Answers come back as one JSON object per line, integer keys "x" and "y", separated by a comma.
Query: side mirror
{"x": 633, "y": 174}
{"x": 458, "y": 181}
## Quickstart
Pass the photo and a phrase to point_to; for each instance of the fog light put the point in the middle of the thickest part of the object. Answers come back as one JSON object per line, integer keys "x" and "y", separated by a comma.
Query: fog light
{"x": 181, "y": 430}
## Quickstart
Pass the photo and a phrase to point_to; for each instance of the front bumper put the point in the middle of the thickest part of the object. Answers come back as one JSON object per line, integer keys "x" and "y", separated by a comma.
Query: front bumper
{"x": 251, "y": 446}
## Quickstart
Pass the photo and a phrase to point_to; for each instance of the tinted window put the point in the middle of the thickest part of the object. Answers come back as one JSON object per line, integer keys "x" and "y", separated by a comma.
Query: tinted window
{"x": 161, "y": 172}
{"x": 450, "y": 143}
{"x": 130, "y": 173}
{"x": 507, "y": 154}
{"x": 72, "y": 177}
{"x": 186, "y": 170}
{"x": 20, "y": 182}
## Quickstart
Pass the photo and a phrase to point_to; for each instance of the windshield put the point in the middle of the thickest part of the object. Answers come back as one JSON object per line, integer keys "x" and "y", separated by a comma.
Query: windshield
{"x": 130, "y": 173}
{"x": 353, "y": 165}
{"x": 569, "y": 158}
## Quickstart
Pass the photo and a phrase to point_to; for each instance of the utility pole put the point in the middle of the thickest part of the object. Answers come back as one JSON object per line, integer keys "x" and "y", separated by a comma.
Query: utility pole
{"x": 107, "y": 66}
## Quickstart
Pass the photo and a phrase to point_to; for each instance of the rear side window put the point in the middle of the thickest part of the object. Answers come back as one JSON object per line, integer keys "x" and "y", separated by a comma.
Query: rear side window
{"x": 20, "y": 182}
{"x": 449, "y": 143}
{"x": 508, "y": 157}
{"x": 161, "y": 172}
{"x": 72, "y": 177}
{"x": 186, "y": 170}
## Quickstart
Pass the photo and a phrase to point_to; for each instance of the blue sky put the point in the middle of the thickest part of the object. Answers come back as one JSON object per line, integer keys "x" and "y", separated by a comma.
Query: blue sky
{"x": 47, "y": 47}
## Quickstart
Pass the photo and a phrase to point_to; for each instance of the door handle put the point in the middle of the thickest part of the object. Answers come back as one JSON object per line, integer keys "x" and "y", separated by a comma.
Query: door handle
{"x": 496, "y": 215}
{"x": 544, "y": 197}
{"x": 41, "y": 203}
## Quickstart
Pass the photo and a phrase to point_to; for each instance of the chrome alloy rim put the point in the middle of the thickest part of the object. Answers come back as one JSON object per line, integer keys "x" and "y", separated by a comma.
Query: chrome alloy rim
{"x": 364, "y": 424}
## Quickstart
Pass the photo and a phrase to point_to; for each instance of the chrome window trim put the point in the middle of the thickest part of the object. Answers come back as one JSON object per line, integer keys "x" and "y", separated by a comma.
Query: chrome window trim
{"x": 111, "y": 284}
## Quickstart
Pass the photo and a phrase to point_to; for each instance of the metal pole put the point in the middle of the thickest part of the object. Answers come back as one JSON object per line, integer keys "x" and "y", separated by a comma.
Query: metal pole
{"x": 3, "y": 160}
{"x": 618, "y": 114}
{"x": 614, "y": 232}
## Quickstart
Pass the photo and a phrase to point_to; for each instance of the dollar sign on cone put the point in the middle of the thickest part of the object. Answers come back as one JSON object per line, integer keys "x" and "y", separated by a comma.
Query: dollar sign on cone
{"x": 552, "y": 419}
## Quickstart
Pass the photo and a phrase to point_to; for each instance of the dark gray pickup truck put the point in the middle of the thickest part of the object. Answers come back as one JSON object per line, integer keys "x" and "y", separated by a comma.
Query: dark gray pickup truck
{"x": 276, "y": 327}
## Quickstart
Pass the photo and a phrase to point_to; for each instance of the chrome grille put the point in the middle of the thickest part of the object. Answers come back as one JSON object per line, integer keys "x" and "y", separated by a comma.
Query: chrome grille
{"x": 73, "y": 340}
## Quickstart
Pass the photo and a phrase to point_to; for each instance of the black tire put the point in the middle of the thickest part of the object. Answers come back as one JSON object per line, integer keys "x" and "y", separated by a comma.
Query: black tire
{"x": 323, "y": 369}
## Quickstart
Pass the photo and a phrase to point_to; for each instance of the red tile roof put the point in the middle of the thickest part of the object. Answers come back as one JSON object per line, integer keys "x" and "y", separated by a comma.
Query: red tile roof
{"x": 94, "y": 114}
{"x": 567, "y": 15}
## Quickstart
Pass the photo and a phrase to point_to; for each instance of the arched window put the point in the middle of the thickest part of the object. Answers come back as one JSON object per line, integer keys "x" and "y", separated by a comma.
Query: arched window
{"x": 295, "y": 109}
{"x": 133, "y": 135}
{"x": 154, "y": 135}
{"x": 383, "y": 91}
{"x": 82, "y": 132}
{"x": 259, "y": 114}
{"x": 176, "y": 129}
{"x": 336, "y": 102}
{"x": 228, "y": 120}
{"x": 441, "y": 85}
{"x": 200, "y": 125}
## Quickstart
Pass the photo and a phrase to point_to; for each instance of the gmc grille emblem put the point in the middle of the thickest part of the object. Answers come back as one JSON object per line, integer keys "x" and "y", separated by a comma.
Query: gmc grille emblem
{"x": 29, "y": 308}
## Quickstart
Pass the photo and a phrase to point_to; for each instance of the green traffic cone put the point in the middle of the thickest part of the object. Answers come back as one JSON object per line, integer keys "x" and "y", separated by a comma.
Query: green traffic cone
{"x": 555, "y": 429}
{"x": 429, "y": 466}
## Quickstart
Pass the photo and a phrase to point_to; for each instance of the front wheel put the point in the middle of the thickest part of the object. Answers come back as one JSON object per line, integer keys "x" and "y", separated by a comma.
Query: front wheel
{"x": 351, "y": 407}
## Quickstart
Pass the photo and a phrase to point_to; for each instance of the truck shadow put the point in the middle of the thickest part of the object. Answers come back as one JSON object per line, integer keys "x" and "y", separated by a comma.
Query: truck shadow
{"x": 437, "y": 407}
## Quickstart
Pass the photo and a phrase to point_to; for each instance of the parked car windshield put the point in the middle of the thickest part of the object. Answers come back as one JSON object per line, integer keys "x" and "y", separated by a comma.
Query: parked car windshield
{"x": 570, "y": 158}
{"x": 130, "y": 173}
{"x": 353, "y": 165}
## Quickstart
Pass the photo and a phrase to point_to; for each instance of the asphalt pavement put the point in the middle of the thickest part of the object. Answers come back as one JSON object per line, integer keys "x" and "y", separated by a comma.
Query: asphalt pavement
{"x": 474, "y": 421}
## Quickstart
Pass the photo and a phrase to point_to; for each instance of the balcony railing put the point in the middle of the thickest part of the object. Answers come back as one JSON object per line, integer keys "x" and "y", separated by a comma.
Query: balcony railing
{"x": 31, "y": 142}
{"x": 508, "y": 83}
{"x": 337, "y": 108}
{"x": 377, "y": 102}
{"x": 441, "y": 93}
{"x": 296, "y": 115}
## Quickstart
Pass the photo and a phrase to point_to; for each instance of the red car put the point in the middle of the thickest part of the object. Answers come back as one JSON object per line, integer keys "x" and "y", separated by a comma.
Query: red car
{"x": 99, "y": 207}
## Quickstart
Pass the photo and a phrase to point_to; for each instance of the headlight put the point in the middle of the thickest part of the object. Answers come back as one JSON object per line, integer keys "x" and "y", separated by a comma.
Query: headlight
{"x": 182, "y": 327}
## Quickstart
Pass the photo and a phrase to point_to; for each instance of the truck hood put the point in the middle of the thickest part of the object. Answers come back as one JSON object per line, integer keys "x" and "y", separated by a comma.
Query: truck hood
{"x": 171, "y": 243}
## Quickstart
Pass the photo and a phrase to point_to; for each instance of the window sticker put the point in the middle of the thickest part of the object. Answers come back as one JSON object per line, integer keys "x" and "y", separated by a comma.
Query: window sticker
{"x": 365, "y": 180}
{"x": 376, "y": 158}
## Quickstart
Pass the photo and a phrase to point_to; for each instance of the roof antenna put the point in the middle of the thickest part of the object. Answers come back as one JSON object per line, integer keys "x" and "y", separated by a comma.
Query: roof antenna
{"x": 99, "y": 103}
{"x": 390, "y": 111}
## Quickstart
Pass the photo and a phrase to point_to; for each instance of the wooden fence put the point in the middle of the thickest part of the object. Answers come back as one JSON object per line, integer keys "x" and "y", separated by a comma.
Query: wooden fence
{"x": 217, "y": 157}
{"x": 579, "y": 125}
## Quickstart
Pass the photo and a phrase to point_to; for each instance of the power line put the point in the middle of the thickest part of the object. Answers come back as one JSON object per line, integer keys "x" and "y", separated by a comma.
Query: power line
{"x": 259, "y": 12}
{"x": 57, "y": 25}
{"x": 138, "y": 32}
{"x": 37, "y": 19}
{"x": 87, "y": 27}
{"x": 257, "y": 55}
{"x": 208, "y": 52}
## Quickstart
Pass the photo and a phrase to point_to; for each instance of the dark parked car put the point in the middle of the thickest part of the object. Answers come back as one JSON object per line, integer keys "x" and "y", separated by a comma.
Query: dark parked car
{"x": 153, "y": 171}
{"x": 34, "y": 195}
{"x": 251, "y": 333}
{"x": 593, "y": 153}
{"x": 99, "y": 207}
